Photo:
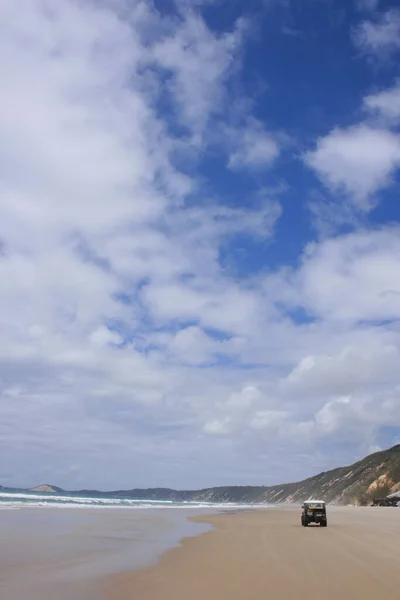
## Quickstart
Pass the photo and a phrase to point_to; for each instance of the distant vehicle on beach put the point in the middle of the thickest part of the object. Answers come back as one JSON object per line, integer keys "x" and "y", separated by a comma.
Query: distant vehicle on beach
{"x": 314, "y": 511}
{"x": 388, "y": 501}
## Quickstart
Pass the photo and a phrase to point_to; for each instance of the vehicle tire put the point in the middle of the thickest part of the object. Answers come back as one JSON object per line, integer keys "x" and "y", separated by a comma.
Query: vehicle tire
{"x": 302, "y": 521}
{"x": 324, "y": 523}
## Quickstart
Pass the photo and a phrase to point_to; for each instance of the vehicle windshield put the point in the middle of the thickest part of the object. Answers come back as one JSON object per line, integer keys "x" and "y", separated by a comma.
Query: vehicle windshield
{"x": 314, "y": 505}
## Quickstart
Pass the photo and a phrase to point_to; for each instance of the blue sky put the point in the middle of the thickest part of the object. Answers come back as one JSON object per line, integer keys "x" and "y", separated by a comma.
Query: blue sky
{"x": 200, "y": 240}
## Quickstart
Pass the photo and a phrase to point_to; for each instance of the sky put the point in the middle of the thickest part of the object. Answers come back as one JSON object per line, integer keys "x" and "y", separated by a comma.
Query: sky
{"x": 199, "y": 240}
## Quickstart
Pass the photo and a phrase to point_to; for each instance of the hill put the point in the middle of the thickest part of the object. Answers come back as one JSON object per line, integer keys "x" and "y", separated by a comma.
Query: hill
{"x": 47, "y": 489}
{"x": 375, "y": 476}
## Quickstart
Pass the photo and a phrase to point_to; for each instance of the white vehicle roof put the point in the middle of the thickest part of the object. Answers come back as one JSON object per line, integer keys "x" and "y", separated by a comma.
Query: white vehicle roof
{"x": 314, "y": 501}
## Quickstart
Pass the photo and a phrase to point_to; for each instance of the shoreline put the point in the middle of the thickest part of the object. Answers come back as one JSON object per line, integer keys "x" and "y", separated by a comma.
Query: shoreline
{"x": 258, "y": 554}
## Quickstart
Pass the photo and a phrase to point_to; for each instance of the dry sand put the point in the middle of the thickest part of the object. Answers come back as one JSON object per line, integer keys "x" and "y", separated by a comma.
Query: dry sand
{"x": 268, "y": 555}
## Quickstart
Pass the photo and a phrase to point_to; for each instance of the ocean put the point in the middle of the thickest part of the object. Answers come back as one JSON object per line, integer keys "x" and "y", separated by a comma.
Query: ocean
{"x": 61, "y": 545}
{"x": 9, "y": 500}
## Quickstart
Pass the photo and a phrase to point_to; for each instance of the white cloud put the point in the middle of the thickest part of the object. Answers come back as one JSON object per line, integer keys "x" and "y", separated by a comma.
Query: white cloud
{"x": 199, "y": 61}
{"x": 353, "y": 367}
{"x": 329, "y": 216}
{"x": 380, "y": 37}
{"x": 217, "y": 427}
{"x": 353, "y": 278}
{"x": 220, "y": 306}
{"x": 103, "y": 336}
{"x": 268, "y": 419}
{"x": 91, "y": 216}
{"x": 119, "y": 327}
{"x": 329, "y": 417}
{"x": 350, "y": 415}
{"x": 192, "y": 346}
{"x": 357, "y": 161}
{"x": 254, "y": 147}
{"x": 385, "y": 104}
{"x": 244, "y": 398}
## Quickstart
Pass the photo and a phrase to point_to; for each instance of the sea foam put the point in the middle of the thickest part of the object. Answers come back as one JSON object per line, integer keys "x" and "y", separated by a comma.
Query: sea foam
{"x": 9, "y": 500}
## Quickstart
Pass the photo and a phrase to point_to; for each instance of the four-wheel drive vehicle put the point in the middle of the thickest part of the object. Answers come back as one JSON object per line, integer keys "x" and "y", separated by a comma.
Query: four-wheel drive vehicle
{"x": 314, "y": 511}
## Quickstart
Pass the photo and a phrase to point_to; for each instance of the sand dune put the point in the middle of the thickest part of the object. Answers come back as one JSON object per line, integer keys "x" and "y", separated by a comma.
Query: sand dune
{"x": 268, "y": 555}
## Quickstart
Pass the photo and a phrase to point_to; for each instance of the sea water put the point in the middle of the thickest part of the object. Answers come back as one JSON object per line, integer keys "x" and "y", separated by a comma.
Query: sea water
{"x": 9, "y": 500}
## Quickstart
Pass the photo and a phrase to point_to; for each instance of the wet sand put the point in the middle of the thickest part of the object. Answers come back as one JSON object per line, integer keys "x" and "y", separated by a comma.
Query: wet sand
{"x": 65, "y": 553}
{"x": 268, "y": 555}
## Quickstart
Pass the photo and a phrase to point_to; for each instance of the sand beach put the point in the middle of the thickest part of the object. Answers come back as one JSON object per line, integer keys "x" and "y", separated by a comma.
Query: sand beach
{"x": 161, "y": 555}
{"x": 268, "y": 555}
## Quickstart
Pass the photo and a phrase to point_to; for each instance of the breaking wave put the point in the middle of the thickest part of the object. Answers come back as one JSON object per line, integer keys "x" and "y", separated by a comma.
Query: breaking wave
{"x": 9, "y": 500}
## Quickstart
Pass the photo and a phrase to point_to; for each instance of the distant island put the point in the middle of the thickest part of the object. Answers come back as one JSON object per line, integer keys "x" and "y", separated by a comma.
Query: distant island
{"x": 47, "y": 489}
{"x": 376, "y": 476}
